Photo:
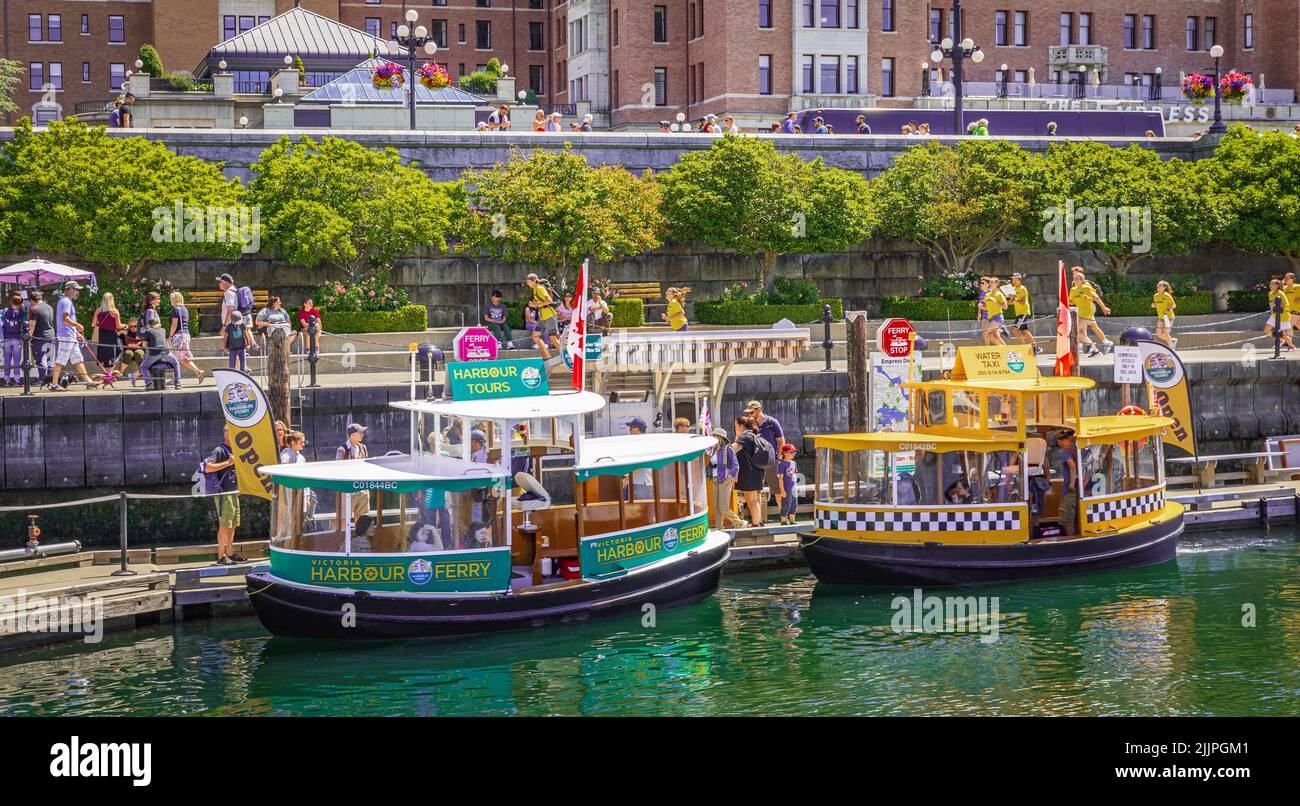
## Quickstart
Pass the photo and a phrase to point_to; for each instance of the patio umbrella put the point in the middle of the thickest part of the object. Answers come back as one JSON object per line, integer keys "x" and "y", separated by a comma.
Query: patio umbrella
{"x": 38, "y": 272}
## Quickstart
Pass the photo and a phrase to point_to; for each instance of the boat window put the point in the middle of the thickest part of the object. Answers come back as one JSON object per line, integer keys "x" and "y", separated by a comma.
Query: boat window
{"x": 1122, "y": 466}
{"x": 937, "y": 407}
{"x": 1002, "y": 411}
{"x": 965, "y": 409}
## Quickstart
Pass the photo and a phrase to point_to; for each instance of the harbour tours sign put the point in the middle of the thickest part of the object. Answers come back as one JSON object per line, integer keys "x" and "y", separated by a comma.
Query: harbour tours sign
{"x": 472, "y": 571}
{"x": 485, "y": 380}
{"x": 608, "y": 554}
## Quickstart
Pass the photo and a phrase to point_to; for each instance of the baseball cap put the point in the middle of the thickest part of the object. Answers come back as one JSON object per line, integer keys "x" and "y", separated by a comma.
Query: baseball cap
{"x": 71, "y": 285}
{"x": 226, "y": 278}
{"x": 356, "y": 428}
{"x": 635, "y": 422}
{"x": 753, "y": 404}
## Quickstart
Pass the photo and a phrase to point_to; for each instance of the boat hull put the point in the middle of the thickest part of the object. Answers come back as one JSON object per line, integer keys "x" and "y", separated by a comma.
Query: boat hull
{"x": 290, "y": 609}
{"x": 838, "y": 561}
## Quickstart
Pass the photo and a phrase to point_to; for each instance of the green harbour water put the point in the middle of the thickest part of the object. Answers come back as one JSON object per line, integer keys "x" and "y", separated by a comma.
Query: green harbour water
{"x": 1157, "y": 641}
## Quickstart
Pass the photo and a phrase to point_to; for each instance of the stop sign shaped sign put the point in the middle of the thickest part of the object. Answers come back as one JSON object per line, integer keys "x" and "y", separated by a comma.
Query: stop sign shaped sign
{"x": 895, "y": 338}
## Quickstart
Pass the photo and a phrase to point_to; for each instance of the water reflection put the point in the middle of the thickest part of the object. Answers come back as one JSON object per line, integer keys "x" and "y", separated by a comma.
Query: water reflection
{"x": 1165, "y": 640}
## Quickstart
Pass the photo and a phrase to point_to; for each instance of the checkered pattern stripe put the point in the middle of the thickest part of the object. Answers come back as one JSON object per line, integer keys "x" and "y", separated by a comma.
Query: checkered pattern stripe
{"x": 857, "y": 520}
{"x": 1126, "y": 507}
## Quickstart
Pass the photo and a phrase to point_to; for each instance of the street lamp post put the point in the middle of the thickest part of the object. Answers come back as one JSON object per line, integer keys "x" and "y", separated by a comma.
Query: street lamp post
{"x": 958, "y": 50}
{"x": 411, "y": 40}
{"x": 1157, "y": 90}
{"x": 1002, "y": 81}
{"x": 1217, "y": 127}
{"x": 925, "y": 79}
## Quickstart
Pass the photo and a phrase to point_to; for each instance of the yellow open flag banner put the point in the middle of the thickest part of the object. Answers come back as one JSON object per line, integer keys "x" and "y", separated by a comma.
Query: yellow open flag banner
{"x": 252, "y": 432}
{"x": 1168, "y": 394}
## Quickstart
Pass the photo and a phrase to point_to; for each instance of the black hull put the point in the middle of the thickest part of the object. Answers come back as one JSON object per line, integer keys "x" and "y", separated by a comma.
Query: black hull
{"x": 851, "y": 562}
{"x": 292, "y": 610}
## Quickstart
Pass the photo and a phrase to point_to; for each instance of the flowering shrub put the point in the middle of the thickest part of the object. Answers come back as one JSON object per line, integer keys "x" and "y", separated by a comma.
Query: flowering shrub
{"x": 736, "y": 292}
{"x": 370, "y": 294}
{"x": 128, "y": 296}
{"x": 434, "y": 77}
{"x": 388, "y": 76}
{"x": 1235, "y": 86}
{"x": 951, "y": 286}
{"x": 1197, "y": 87}
{"x": 606, "y": 288}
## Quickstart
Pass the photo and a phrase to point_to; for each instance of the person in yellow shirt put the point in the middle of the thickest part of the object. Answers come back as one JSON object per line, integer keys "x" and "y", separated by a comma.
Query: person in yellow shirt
{"x": 1292, "y": 292}
{"x": 994, "y": 302}
{"x": 1277, "y": 298}
{"x": 1023, "y": 308}
{"x": 676, "y": 314}
{"x": 547, "y": 334}
{"x": 1084, "y": 297}
{"x": 1163, "y": 302}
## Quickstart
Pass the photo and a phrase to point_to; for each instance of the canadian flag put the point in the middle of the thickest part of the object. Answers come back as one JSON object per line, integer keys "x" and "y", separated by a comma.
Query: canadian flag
{"x": 577, "y": 341}
{"x": 1064, "y": 358}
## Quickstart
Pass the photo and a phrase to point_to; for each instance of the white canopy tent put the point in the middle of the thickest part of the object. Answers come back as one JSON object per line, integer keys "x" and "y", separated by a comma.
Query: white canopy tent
{"x": 39, "y": 272}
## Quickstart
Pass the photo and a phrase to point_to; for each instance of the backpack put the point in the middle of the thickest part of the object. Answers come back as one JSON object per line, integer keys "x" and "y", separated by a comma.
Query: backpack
{"x": 764, "y": 454}
{"x": 244, "y": 300}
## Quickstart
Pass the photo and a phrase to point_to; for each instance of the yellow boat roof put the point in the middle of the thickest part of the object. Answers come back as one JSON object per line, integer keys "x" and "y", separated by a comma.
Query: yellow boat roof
{"x": 1040, "y": 385}
{"x": 914, "y": 441}
{"x": 1115, "y": 427}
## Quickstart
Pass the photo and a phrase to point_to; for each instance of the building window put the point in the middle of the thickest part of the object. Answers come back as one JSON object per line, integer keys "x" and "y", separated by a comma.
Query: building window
{"x": 1248, "y": 31}
{"x": 830, "y": 75}
{"x": 699, "y": 28}
{"x": 886, "y": 15}
{"x": 1067, "y": 29}
{"x": 483, "y": 35}
{"x": 809, "y": 14}
{"x": 246, "y": 23}
{"x": 1148, "y": 32}
{"x": 1021, "y": 28}
{"x": 690, "y": 23}
{"x": 613, "y": 30}
{"x": 534, "y": 4}
{"x": 54, "y": 28}
{"x": 36, "y": 75}
{"x": 460, "y": 33}
{"x": 535, "y": 38}
{"x": 116, "y": 29}
{"x": 1000, "y": 28}
{"x": 535, "y": 79}
{"x": 808, "y": 75}
{"x": 85, "y": 72}
{"x": 765, "y": 75}
{"x": 261, "y": 19}
{"x": 887, "y": 77}
{"x": 483, "y": 3}
{"x": 661, "y": 86}
{"x": 56, "y": 75}
{"x": 830, "y": 13}
{"x": 764, "y": 13}
{"x": 1085, "y": 28}
{"x": 690, "y": 84}
{"x": 438, "y": 32}
{"x": 34, "y": 28}
{"x": 372, "y": 26}
{"x": 851, "y": 75}
{"x": 228, "y": 29}
{"x": 661, "y": 23}
{"x": 936, "y": 25}
{"x": 577, "y": 36}
{"x": 85, "y": 25}
{"x": 1211, "y": 37}
{"x": 1130, "y": 32}
{"x": 392, "y": 30}
{"x": 1021, "y": 76}
{"x": 116, "y": 76}
{"x": 1193, "y": 31}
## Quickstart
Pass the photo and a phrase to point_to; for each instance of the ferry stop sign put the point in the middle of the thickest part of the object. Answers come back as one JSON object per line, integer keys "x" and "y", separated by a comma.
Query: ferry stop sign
{"x": 894, "y": 337}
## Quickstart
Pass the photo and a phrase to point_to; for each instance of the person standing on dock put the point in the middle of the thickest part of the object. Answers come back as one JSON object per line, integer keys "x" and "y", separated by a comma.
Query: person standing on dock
{"x": 70, "y": 336}
{"x": 41, "y": 329}
{"x": 13, "y": 340}
{"x": 723, "y": 468}
{"x": 219, "y": 478}
{"x": 355, "y": 448}
{"x": 769, "y": 429}
{"x": 1023, "y": 307}
{"x": 1068, "y": 509}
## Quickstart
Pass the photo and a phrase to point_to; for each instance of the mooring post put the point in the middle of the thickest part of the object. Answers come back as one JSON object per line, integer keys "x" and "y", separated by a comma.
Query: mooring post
{"x": 312, "y": 356}
{"x": 1263, "y": 513}
{"x": 122, "y": 505}
{"x": 827, "y": 343}
{"x": 859, "y": 348}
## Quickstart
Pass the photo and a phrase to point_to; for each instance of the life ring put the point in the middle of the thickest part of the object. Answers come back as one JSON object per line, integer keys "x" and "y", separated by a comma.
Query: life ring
{"x": 1132, "y": 447}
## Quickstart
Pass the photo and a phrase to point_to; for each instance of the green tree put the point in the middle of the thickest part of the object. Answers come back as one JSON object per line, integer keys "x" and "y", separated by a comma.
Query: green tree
{"x": 958, "y": 202}
{"x": 1168, "y": 204}
{"x": 1257, "y": 175}
{"x": 11, "y": 72}
{"x": 743, "y": 195}
{"x": 338, "y": 203}
{"x": 551, "y": 206}
{"x": 74, "y": 190}
{"x": 151, "y": 61}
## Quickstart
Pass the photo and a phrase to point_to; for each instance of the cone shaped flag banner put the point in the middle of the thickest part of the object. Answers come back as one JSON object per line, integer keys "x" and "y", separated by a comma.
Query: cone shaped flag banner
{"x": 577, "y": 340}
{"x": 1064, "y": 357}
{"x": 1167, "y": 392}
{"x": 252, "y": 433}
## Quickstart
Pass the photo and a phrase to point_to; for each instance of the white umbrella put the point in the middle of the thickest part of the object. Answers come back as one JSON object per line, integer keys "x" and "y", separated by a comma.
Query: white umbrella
{"x": 38, "y": 271}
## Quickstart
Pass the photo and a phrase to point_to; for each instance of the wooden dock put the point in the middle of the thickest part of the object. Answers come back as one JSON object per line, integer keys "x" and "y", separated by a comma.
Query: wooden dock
{"x": 177, "y": 583}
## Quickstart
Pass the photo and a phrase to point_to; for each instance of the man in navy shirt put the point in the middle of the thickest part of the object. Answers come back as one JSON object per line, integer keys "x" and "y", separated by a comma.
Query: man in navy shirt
{"x": 1068, "y": 510}
{"x": 769, "y": 429}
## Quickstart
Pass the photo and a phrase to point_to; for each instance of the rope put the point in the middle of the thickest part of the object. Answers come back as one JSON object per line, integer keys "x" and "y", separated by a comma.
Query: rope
{"x": 107, "y": 498}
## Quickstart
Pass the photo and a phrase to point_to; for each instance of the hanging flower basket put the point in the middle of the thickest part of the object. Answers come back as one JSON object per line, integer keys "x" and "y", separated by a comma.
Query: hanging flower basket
{"x": 1197, "y": 87}
{"x": 1235, "y": 86}
{"x": 434, "y": 77}
{"x": 388, "y": 76}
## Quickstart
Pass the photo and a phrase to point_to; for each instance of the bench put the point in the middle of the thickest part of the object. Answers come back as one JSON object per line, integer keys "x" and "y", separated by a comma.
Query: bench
{"x": 200, "y": 302}
{"x": 648, "y": 292}
{"x": 1205, "y": 468}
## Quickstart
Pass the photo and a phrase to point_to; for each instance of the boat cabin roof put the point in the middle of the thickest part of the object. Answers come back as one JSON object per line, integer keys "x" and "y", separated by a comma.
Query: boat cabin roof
{"x": 400, "y": 473}
{"x": 556, "y": 404}
{"x": 916, "y": 441}
{"x": 1115, "y": 427}
{"x": 618, "y": 456}
{"x": 1038, "y": 385}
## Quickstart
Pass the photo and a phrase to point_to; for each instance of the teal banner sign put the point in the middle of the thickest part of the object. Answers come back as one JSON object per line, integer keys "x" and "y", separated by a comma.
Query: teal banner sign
{"x": 602, "y": 555}
{"x": 483, "y": 380}
{"x": 437, "y": 572}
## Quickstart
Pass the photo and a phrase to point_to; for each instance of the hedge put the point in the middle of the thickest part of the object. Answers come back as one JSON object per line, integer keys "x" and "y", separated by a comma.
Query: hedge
{"x": 405, "y": 318}
{"x": 744, "y": 312}
{"x": 929, "y": 309}
{"x": 627, "y": 313}
{"x": 1194, "y": 304}
{"x": 1247, "y": 301}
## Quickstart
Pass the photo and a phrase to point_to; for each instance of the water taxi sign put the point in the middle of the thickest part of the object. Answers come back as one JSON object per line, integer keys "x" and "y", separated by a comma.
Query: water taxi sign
{"x": 999, "y": 363}
{"x": 484, "y": 380}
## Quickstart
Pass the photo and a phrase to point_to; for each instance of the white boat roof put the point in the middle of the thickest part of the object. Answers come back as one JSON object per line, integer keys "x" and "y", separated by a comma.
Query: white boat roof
{"x": 556, "y": 404}
{"x": 617, "y": 455}
{"x": 400, "y": 472}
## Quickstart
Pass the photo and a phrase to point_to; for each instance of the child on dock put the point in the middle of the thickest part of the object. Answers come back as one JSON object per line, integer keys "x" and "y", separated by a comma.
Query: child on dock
{"x": 789, "y": 474}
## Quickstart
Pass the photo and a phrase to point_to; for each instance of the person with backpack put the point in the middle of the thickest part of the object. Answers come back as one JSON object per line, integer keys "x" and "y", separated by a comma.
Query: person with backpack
{"x": 218, "y": 472}
{"x": 769, "y": 428}
{"x": 236, "y": 340}
{"x": 753, "y": 452}
{"x": 229, "y": 298}
{"x": 355, "y": 448}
